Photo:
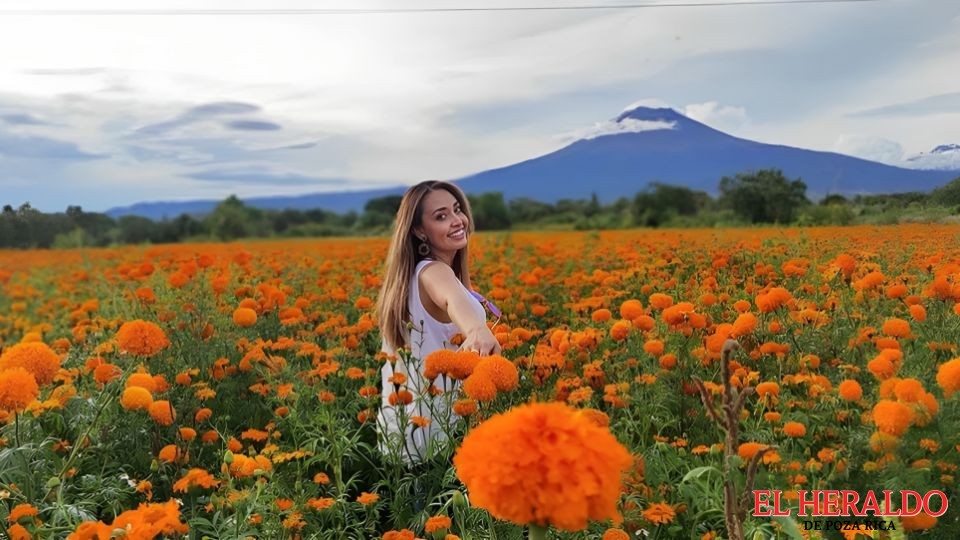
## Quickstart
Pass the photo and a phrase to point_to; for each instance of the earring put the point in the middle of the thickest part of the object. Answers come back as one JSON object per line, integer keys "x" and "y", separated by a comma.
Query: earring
{"x": 424, "y": 248}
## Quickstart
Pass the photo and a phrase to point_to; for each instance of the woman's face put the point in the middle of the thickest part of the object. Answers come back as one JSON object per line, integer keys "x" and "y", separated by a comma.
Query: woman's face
{"x": 443, "y": 222}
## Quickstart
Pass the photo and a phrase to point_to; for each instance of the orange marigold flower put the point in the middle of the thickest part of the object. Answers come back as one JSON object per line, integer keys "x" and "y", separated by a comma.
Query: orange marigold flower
{"x": 19, "y": 532}
{"x": 321, "y": 503}
{"x": 321, "y": 478}
{"x": 465, "y": 407}
{"x": 745, "y": 324}
{"x": 21, "y": 511}
{"x": 897, "y": 328}
{"x": 660, "y": 301}
{"x": 850, "y": 390}
{"x": 18, "y": 388}
{"x": 367, "y": 498}
{"x": 908, "y": 390}
{"x": 142, "y": 338}
{"x": 794, "y": 429}
{"x": 543, "y": 463}
{"x": 244, "y": 317}
{"x": 659, "y": 513}
{"x": 169, "y": 454}
{"x": 195, "y": 478}
{"x": 948, "y": 377}
{"x": 747, "y": 450}
{"x": 202, "y": 415}
{"x": 162, "y": 412}
{"x": 631, "y": 309}
{"x": 621, "y": 329}
{"x": 601, "y": 315}
{"x": 135, "y": 398}
{"x": 36, "y": 357}
{"x": 615, "y": 534}
{"x": 188, "y": 434}
{"x": 143, "y": 380}
{"x": 402, "y": 534}
{"x": 502, "y": 372}
{"x": 654, "y": 347}
{"x": 892, "y": 417}
{"x": 480, "y": 387}
{"x": 106, "y": 372}
{"x": 437, "y": 523}
{"x": 401, "y": 397}
{"x": 920, "y": 522}
{"x": 768, "y": 388}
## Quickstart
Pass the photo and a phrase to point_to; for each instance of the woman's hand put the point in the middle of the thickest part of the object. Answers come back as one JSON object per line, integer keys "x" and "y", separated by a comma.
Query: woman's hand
{"x": 482, "y": 341}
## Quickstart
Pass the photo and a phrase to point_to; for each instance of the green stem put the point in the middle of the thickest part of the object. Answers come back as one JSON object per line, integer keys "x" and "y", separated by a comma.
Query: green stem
{"x": 79, "y": 442}
{"x": 538, "y": 533}
{"x": 16, "y": 427}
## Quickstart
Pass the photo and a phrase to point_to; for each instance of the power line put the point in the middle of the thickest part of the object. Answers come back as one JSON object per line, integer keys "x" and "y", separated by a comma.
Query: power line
{"x": 714, "y": 3}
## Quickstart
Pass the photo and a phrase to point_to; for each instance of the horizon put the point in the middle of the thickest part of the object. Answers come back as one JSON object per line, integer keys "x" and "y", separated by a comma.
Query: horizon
{"x": 389, "y": 99}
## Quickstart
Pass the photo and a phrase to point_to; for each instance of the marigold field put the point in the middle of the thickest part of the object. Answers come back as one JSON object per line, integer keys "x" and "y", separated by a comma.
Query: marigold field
{"x": 231, "y": 390}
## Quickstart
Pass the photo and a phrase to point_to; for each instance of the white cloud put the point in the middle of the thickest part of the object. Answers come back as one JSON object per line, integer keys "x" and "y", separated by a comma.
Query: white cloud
{"x": 723, "y": 117}
{"x": 652, "y": 103}
{"x": 871, "y": 148}
{"x": 611, "y": 127}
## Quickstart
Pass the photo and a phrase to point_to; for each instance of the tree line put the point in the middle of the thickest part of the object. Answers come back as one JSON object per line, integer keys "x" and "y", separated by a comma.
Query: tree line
{"x": 756, "y": 197}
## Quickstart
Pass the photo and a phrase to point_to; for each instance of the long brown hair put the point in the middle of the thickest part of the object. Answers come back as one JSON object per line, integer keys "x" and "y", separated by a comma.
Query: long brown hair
{"x": 402, "y": 259}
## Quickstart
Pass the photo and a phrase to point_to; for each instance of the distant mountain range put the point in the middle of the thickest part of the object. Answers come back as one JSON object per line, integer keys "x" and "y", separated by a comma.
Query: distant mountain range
{"x": 640, "y": 146}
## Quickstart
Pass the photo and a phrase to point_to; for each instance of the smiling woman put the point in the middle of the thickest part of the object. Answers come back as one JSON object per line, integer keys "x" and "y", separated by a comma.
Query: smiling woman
{"x": 426, "y": 300}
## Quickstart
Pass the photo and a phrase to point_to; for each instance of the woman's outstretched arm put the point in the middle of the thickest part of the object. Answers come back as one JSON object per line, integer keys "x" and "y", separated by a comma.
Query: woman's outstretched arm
{"x": 445, "y": 290}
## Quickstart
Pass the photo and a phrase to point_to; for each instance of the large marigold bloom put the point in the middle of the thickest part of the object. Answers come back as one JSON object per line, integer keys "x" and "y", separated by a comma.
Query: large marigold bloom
{"x": 897, "y": 328}
{"x": 18, "y": 388}
{"x": 948, "y": 377}
{"x": 142, "y": 338}
{"x": 544, "y": 464}
{"x": 35, "y": 357}
{"x": 850, "y": 390}
{"x": 501, "y": 371}
{"x": 892, "y": 417}
{"x": 162, "y": 412}
{"x": 136, "y": 398}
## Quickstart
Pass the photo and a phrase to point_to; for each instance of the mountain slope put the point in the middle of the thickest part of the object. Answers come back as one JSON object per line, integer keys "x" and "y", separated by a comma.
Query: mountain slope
{"x": 690, "y": 154}
{"x": 643, "y": 145}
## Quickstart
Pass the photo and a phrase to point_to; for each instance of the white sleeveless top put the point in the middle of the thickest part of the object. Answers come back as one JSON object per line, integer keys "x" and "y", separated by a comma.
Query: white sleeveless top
{"x": 427, "y": 335}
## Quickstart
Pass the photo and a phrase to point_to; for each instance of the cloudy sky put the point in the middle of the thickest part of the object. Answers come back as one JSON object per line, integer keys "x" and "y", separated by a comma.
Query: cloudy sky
{"x": 108, "y": 109}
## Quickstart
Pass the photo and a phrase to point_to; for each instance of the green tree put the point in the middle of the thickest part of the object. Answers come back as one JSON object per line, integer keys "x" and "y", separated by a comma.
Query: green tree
{"x": 657, "y": 203}
{"x": 764, "y": 196}
{"x": 527, "y": 210}
{"x": 948, "y": 194}
{"x": 136, "y": 230}
{"x": 233, "y": 219}
{"x": 489, "y": 211}
{"x": 389, "y": 205}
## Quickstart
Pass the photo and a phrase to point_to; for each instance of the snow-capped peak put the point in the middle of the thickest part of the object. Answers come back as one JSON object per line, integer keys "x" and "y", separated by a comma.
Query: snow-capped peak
{"x": 943, "y": 157}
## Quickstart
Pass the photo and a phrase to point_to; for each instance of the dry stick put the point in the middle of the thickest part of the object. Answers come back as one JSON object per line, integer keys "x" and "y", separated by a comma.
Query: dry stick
{"x": 728, "y": 419}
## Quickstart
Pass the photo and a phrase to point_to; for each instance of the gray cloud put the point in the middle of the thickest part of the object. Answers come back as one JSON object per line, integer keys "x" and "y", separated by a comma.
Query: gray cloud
{"x": 252, "y": 125}
{"x": 261, "y": 176}
{"x": 198, "y": 113}
{"x": 223, "y": 107}
{"x": 942, "y": 103}
{"x": 298, "y": 146}
{"x": 22, "y": 119}
{"x": 32, "y": 147}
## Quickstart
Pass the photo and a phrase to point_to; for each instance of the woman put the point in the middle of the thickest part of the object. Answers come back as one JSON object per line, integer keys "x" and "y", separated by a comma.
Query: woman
{"x": 424, "y": 301}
